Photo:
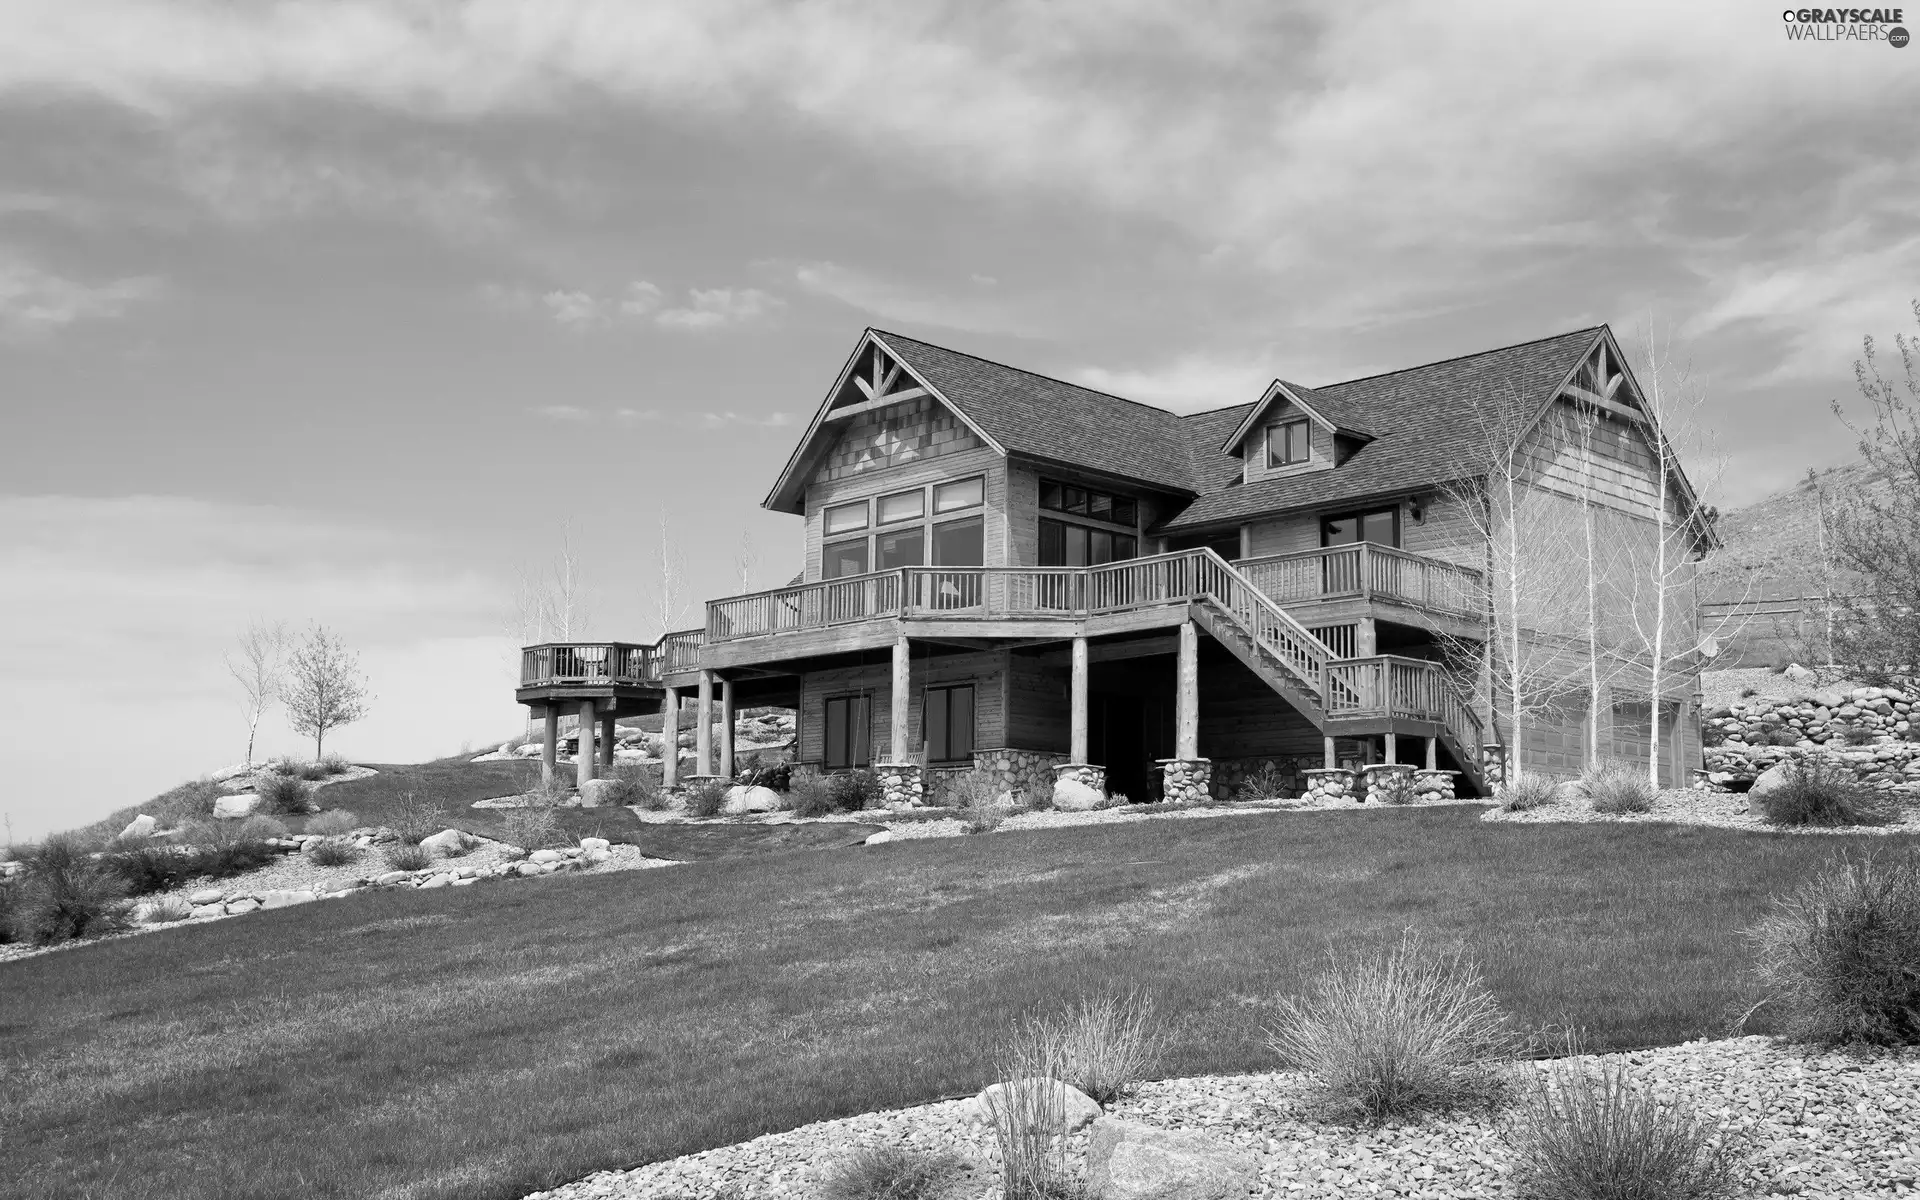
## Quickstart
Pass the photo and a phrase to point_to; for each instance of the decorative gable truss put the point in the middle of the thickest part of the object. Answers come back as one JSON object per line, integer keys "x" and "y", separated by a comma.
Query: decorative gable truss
{"x": 879, "y": 413}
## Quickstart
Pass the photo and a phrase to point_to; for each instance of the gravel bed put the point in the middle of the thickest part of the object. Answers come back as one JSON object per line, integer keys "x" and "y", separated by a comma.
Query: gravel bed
{"x": 1685, "y": 806}
{"x": 1815, "y": 1124}
{"x": 1720, "y": 689}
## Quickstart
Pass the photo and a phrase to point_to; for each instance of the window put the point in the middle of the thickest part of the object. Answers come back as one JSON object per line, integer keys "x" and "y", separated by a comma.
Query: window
{"x": 947, "y": 723}
{"x": 1288, "y": 443}
{"x": 849, "y": 734}
{"x": 846, "y": 517}
{"x": 906, "y": 548}
{"x": 840, "y": 559}
{"x": 903, "y": 506}
{"x": 965, "y": 493}
{"x": 1381, "y": 527}
{"x": 1067, "y": 545}
{"x": 1100, "y": 506}
{"x": 960, "y": 543}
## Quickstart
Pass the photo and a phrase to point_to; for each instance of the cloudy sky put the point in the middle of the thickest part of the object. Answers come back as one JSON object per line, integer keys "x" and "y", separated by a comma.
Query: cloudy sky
{"x": 339, "y": 311}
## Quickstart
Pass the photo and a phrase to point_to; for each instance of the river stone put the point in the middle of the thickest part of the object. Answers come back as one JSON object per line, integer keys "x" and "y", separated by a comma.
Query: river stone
{"x": 879, "y": 839}
{"x": 206, "y": 896}
{"x": 1076, "y": 1107}
{"x": 597, "y": 793}
{"x": 1771, "y": 779}
{"x": 392, "y": 877}
{"x": 448, "y": 843}
{"x": 1129, "y": 1160}
{"x": 286, "y": 899}
{"x": 743, "y": 799}
{"x": 236, "y": 907}
{"x": 1070, "y": 795}
{"x": 543, "y": 857}
{"x": 140, "y": 827}
{"x": 232, "y": 808}
{"x": 590, "y": 844}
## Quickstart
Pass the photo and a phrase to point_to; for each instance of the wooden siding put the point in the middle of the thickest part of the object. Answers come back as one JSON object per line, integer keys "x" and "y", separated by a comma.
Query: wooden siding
{"x": 1241, "y": 717}
{"x": 985, "y": 670}
{"x": 1254, "y": 450}
{"x": 1283, "y": 535}
{"x": 1447, "y": 530}
{"x": 910, "y": 431}
{"x": 1612, "y": 455}
{"x": 1039, "y": 699}
{"x": 1024, "y": 514}
{"x": 822, "y": 495}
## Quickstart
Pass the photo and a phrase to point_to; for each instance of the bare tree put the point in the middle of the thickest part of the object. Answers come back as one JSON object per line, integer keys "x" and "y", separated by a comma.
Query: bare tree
{"x": 747, "y": 562}
{"x": 552, "y": 602}
{"x": 667, "y": 593}
{"x": 1876, "y": 532}
{"x": 260, "y": 671}
{"x": 325, "y": 688}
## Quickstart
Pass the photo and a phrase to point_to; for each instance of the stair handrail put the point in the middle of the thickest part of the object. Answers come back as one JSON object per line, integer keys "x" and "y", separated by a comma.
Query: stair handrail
{"x": 1279, "y": 634}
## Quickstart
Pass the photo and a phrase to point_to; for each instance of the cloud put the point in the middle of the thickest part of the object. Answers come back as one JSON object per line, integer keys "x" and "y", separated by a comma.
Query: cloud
{"x": 722, "y": 420}
{"x": 563, "y": 412}
{"x": 1189, "y": 384}
{"x": 34, "y": 302}
{"x": 894, "y": 301}
{"x": 715, "y": 308}
{"x": 641, "y": 302}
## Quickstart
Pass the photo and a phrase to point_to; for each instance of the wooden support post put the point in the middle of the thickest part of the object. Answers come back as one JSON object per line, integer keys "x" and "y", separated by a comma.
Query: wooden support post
{"x": 670, "y": 738}
{"x": 1365, "y": 638}
{"x": 583, "y": 760}
{"x": 902, "y": 694}
{"x": 550, "y": 748}
{"x": 606, "y": 740}
{"x": 1392, "y": 753}
{"x": 1077, "y": 737}
{"x": 726, "y": 728}
{"x": 1433, "y": 753}
{"x": 1330, "y": 763}
{"x": 703, "y": 732}
{"x": 1186, "y": 738}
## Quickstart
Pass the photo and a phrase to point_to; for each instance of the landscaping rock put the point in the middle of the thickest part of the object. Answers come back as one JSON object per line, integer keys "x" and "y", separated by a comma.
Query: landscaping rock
{"x": 141, "y": 826}
{"x": 438, "y": 881}
{"x": 206, "y": 896}
{"x": 1130, "y": 1160}
{"x": 1077, "y": 1108}
{"x": 594, "y": 858}
{"x": 530, "y": 750}
{"x": 543, "y": 857}
{"x": 594, "y": 843}
{"x": 597, "y": 793}
{"x": 286, "y": 899}
{"x": 1798, "y": 673}
{"x": 391, "y": 877}
{"x": 1070, "y": 795}
{"x": 226, "y": 773}
{"x": 1772, "y": 778}
{"x": 879, "y": 839}
{"x": 742, "y": 799}
{"x": 232, "y": 808}
{"x": 236, "y": 907}
{"x": 529, "y": 869}
{"x": 448, "y": 843}
{"x": 208, "y": 910}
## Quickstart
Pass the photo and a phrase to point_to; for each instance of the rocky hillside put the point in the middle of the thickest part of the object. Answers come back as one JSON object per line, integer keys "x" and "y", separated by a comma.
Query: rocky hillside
{"x": 1774, "y": 547}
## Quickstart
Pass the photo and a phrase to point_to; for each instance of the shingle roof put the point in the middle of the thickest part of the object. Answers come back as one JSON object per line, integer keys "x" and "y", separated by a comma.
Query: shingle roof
{"x": 1423, "y": 420}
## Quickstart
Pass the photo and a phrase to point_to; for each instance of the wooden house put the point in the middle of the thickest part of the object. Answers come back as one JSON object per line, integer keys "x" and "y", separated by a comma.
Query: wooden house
{"x": 1008, "y": 572}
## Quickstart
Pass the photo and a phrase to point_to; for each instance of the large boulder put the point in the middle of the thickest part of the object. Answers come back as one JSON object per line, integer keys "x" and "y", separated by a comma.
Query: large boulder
{"x": 226, "y": 773}
{"x": 597, "y": 793}
{"x": 1077, "y": 1109}
{"x": 530, "y": 750}
{"x": 206, "y": 896}
{"x": 1771, "y": 779}
{"x": 140, "y": 827}
{"x": 589, "y": 844}
{"x": 1798, "y": 673}
{"x": 232, "y": 808}
{"x": 1073, "y": 796}
{"x": 448, "y": 843}
{"x": 1828, "y": 699}
{"x": 285, "y": 899}
{"x": 743, "y": 799}
{"x": 1128, "y": 1160}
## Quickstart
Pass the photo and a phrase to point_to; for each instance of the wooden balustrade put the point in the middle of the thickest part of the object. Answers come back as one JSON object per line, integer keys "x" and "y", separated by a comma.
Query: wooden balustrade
{"x": 1367, "y": 571}
{"x": 1406, "y": 688}
{"x": 588, "y": 662}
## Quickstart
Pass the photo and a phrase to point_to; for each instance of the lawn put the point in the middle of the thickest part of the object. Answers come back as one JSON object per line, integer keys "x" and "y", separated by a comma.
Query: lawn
{"x": 494, "y": 1040}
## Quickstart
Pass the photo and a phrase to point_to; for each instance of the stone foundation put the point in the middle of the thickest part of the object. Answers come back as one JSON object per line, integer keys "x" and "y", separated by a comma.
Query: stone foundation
{"x": 1028, "y": 774}
{"x": 1388, "y": 783}
{"x": 1186, "y": 780}
{"x": 1711, "y": 781}
{"x": 1328, "y": 785}
{"x": 1434, "y": 786}
{"x": 1090, "y": 774}
{"x": 902, "y": 785}
{"x": 1869, "y": 731}
{"x": 1230, "y": 775}
{"x": 1493, "y": 763}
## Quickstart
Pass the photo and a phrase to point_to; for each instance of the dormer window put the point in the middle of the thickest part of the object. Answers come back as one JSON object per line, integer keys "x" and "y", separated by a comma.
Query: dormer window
{"x": 1288, "y": 443}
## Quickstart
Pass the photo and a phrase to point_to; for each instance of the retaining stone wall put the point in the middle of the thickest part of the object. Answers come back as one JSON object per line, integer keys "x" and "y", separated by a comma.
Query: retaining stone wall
{"x": 1870, "y": 731}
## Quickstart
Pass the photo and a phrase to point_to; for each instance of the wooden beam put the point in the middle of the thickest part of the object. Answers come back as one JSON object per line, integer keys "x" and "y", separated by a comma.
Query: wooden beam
{"x": 866, "y": 389}
{"x": 1330, "y": 762}
{"x": 1077, "y": 725}
{"x": 1576, "y": 392}
{"x": 870, "y": 404}
{"x": 1433, "y": 754}
{"x": 670, "y": 738}
{"x": 1391, "y": 752}
{"x": 1187, "y": 694}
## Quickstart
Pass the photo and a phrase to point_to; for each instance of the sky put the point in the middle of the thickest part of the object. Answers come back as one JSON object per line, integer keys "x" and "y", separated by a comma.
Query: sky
{"x": 350, "y": 312}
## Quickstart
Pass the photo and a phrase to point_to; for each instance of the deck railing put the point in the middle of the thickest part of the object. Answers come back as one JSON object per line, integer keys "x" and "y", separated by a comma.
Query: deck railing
{"x": 1366, "y": 571}
{"x": 1413, "y": 689}
{"x": 589, "y": 662}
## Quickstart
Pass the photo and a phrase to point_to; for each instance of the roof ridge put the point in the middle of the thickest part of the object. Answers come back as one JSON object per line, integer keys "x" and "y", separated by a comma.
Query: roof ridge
{"x": 994, "y": 362}
{"x": 1459, "y": 357}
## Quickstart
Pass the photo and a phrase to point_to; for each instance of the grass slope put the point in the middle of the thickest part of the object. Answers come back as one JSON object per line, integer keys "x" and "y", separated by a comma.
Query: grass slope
{"x": 494, "y": 1040}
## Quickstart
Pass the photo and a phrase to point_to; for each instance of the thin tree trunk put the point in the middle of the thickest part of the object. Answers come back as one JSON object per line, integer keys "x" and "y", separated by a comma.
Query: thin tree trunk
{"x": 1513, "y": 616}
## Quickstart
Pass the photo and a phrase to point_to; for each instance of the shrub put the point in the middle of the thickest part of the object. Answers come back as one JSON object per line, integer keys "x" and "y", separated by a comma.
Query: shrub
{"x": 8, "y": 902}
{"x": 1784, "y": 735}
{"x": 810, "y": 795}
{"x": 414, "y": 817}
{"x": 775, "y": 775}
{"x": 857, "y": 789}
{"x": 1596, "y": 1134}
{"x": 333, "y": 852}
{"x": 335, "y": 763}
{"x": 1615, "y": 788}
{"x": 1711, "y": 734}
{"x": 1857, "y": 735}
{"x": 223, "y": 848}
{"x": 66, "y": 895}
{"x": 1265, "y": 782}
{"x": 1109, "y": 1044}
{"x": 1389, "y": 1035}
{"x": 146, "y": 869}
{"x": 1029, "y": 1115}
{"x": 167, "y": 909}
{"x": 975, "y": 797}
{"x": 1814, "y": 792}
{"x": 886, "y": 1173}
{"x": 706, "y": 798}
{"x": 312, "y": 772}
{"x": 1527, "y": 791}
{"x": 1749, "y": 692}
{"x": 631, "y": 783}
{"x": 283, "y": 795}
{"x": 532, "y": 827}
{"x": 284, "y": 766}
{"x": 1841, "y": 953}
{"x": 1398, "y": 789}
{"x": 184, "y": 803}
{"x": 407, "y": 856}
{"x": 542, "y": 788}
{"x": 333, "y": 821}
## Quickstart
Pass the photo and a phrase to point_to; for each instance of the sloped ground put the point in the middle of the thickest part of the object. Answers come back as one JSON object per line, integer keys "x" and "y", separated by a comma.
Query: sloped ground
{"x": 494, "y": 1040}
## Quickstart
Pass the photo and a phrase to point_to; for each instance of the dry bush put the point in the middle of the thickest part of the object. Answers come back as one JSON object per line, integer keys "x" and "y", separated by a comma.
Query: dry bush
{"x": 809, "y": 794}
{"x": 1527, "y": 791}
{"x": 1840, "y": 954}
{"x": 1615, "y": 788}
{"x": 886, "y": 1173}
{"x": 1265, "y": 782}
{"x": 163, "y": 910}
{"x": 542, "y": 788}
{"x": 184, "y": 803}
{"x": 1592, "y": 1132}
{"x": 333, "y": 821}
{"x": 706, "y": 798}
{"x": 975, "y": 798}
{"x": 857, "y": 789}
{"x": 407, "y": 856}
{"x": 414, "y": 817}
{"x": 1109, "y": 1044}
{"x": 1399, "y": 789}
{"x": 334, "y": 852}
{"x": 283, "y": 795}
{"x": 1029, "y": 1116}
{"x": 635, "y": 784}
{"x": 1391, "y": 1034}
{"x": 533, "y": 827}
{"x": 66, "y": 895}
{"x": 1821, "y": 793}
{"x": 335, "y": 763}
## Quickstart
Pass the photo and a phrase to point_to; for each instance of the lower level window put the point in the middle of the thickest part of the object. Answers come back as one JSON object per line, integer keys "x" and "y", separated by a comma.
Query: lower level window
{"x": 948, "y": 716}
{"x": 848, "y": 738}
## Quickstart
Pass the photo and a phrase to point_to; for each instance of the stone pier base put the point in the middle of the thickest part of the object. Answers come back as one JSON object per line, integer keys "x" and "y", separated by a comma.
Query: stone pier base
{"x": 1079, "y": 786}
{"x": 1389, "y": 783}
{"x": 1186, "y": 780}
{"x": 902, "y": 785}
{"x": 1092, "y": 775}
{"x": 1493, "y": 763}
{"x": 1434, "y": 786}
{"x": 1331, "y": 785}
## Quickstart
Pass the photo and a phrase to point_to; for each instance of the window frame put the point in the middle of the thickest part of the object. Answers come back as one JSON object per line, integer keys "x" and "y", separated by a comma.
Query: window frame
{"x": 865, "y": 541}
{"x": 827, "y": 529}
{"x": 933, "y": 501}
{"x": 1067, "y": 529}
{"x": 1067, "y": 492}
{"x": 854, "y": 760}
{"x": 904, "y": 529}
{"x": 1306, "y": 442}
{"x": 881, "y": 520}
{"x": 1359, "y": 517}
{"x": 926, "y": 721}
{"x": 934, "y": 529}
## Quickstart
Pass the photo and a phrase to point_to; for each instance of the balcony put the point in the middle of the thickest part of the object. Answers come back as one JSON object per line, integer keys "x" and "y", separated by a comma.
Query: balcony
{"x": 1347, "y": 582}
{"x": 1388, "y": 688}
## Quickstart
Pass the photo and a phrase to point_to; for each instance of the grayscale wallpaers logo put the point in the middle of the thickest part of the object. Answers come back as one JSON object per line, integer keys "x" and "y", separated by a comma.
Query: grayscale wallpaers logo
{"x": 1846, "y": 25}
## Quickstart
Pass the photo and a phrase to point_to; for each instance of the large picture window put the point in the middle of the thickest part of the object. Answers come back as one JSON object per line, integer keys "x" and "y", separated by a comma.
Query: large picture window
{"x": 844, "y": 518}
{"x": 1067, "y": 545}
{"x": 1288, "y": 443}
{"x": 906, "y": 548}
{"x": 960, "y": 543}
{"x": 905, "y": 536}
{"x": 1085, "y": 502}
{"x": 947, "y": 720}
{"x": 849, "y": 735}
{"x": 840, "y": 559}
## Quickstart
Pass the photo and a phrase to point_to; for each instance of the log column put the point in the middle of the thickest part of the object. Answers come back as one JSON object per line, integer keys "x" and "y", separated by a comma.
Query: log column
{"x": 703, "y": 732}
{"x": 1391, "y": 754}
{"x": 670, "y": 738}
{"x": 726, "y": 728}
{"x": 583, "y": 760}
{"x": 1186, "y": 737}
{"x": 902, "y": 695}
{"x": 1077, "y": 740}
{"x": 550, "y": 747}
{"x": 606, "y": 741}
{"x": 1330, "y": 764}
{"x": 1433, "y": 753}
{"x": 1366, "y": 639}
